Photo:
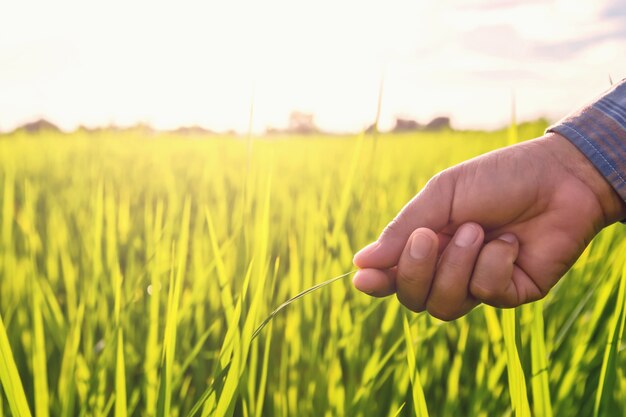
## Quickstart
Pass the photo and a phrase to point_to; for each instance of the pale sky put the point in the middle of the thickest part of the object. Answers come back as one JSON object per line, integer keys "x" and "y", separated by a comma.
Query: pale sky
{"x": 182, "y": 63}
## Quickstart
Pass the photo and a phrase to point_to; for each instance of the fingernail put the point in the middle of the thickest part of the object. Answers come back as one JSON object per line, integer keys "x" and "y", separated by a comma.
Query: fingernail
{"x": 466, "y": 235}
{"x": 420, "y": 246}
{"x": 508, "y": 237}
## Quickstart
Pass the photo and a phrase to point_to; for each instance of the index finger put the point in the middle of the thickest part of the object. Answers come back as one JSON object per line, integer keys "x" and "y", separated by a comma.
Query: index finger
{"x": 429, "y": 209}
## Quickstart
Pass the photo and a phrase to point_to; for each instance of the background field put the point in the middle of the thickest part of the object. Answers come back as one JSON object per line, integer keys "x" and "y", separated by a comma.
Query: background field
{"x": 134, "y": 269}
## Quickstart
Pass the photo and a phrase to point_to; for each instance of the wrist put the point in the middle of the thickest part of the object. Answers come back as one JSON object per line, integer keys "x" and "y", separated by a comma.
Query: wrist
{"x": 577, "y": 164}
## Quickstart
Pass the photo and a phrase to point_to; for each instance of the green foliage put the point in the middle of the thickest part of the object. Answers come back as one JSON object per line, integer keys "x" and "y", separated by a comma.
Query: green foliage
{"x": 135, "y": 272}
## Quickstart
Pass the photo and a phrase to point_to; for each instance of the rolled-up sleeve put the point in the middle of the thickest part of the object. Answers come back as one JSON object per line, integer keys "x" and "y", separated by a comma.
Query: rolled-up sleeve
{"x": 598, "y": 130}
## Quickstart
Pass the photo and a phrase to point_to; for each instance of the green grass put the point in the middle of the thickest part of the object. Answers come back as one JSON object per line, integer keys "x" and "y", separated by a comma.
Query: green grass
{"x": 136, "y": 273}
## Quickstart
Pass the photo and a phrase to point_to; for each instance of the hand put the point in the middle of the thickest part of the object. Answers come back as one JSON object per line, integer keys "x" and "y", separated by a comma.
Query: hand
{"x": 500, "y": 229}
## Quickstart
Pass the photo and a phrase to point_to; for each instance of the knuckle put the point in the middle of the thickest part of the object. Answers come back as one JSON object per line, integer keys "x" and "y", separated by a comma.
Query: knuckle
{"x": 407, "y": 276}
{"x": 534, "y": 297}
{"x": 410, "y": 303}
{"x": 441, "y": 312}
{"x": 441, "y": 179}
{"x": 506, "y": 252}
{"x": 535, "y": 292}
{"x": 438, "y": 178}
{"x": 393, "y": 228}
{"x": 484, "y": 292}
{"x": 454, "y": 267}
{"x": 543, "y": 292}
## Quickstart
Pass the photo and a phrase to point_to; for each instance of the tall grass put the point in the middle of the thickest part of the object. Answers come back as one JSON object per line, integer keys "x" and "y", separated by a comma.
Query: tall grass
{"x": 136, "y": 273}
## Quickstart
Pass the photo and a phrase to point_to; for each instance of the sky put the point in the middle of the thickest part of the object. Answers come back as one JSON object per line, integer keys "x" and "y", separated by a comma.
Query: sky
{"x": 171, "y": 64}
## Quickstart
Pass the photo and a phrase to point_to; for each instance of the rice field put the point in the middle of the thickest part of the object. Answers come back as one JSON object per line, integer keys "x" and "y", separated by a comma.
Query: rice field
{"x": 135, "y": 270}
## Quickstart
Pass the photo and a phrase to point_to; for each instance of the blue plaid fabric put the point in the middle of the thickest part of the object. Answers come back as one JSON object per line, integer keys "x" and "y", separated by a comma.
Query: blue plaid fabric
{"x": 599, "y": 131}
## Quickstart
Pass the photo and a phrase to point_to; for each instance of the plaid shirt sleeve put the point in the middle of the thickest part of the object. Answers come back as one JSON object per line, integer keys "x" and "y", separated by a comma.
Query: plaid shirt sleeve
{"x": 598, "y": 130}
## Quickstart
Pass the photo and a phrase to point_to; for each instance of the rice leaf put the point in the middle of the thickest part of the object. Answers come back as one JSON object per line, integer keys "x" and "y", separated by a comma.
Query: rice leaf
{"x": 40, "y": 371}
{"x": 517, "y": 380}
{"x": 120, "y": 377}
{"x": 608, "y": 374}
{"x": 542, "y": 406}
{"x": 297, "y": 297}
{"x": 10, "y": 378}
{"x": 417, "y": 392}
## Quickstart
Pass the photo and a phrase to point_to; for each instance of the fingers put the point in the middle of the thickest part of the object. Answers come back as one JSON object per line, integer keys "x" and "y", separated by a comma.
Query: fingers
{"x": 449, "y": 296}
{"x": 428, "y": 278}
{"x": 497, "y": 281}
{"x": 416, "y": 268}
{"x": 411, "y": 279}
{"x": 429, "y": 209}
{"x": 375, "y": 282}
{"x": 451, "y": 282}
{"x": 441, "y": 287}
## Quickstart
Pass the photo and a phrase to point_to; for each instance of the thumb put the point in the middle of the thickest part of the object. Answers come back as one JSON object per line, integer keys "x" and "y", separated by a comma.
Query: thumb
{"x": 430, "y": 208}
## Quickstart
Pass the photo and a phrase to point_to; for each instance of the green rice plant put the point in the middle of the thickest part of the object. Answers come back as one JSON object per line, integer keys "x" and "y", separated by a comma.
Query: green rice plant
{"x": 70, "y": 357}
{"x": 169, "y": 335}
{"x": 145, "y": 275}
{"x": 9, "y": 377}
{"x": 294, "y": 298}
{"x": 120, "y": 367}
{"x": 605, "y": 403}
{"x": 517, "y": 380}
{"x": 120, "y": 378}
{"x": 417, "y": 393}
{"x": 539, "y": 381}
{"x": 42, "y": 401}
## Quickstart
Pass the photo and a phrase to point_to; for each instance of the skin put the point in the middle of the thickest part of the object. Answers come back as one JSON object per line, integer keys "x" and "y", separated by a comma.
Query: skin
{"x": 500, "y": 229}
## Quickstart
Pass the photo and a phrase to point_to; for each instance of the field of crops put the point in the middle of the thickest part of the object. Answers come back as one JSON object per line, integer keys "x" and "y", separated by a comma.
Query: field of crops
{"x": 135, "y": 269}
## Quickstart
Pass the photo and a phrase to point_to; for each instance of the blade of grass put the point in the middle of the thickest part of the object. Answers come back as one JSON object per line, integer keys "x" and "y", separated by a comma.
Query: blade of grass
{"x": 40, "y": 372}
{"x": 10, "y": 378}
{"x": 67, "y": 378}
{"x": 195, "y": 351}
{"x": 399, "y": 410}
{"x": 120, "y": 377}
{"x": 539, "y": 357}
{"x": 8, "y": 210}
{"x": 204, "y": 397}
{"x": 517, "y": 381}
{"x": 243, "y": 341}
{"x": 375, "y": 367}
{"x": 264, "y": 372}
{"x": 224, "y": 281}
{"x": 606, "y": 384}
{"x": 153, "y": 349}
{"x": 120, "y": 366}
{"x": 417, "y": 392}
{"x": 296, "y": 297}
{"x": 208, "y": 400}
{"x": 454, "y": 377}
{"x": 575, "y": 314}
{"x": 257, "y": 384}
{"x": 169, "y": 336}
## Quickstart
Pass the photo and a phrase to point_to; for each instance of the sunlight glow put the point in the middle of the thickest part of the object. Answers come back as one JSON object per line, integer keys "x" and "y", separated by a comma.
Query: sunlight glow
{"x": 183, "y": 63}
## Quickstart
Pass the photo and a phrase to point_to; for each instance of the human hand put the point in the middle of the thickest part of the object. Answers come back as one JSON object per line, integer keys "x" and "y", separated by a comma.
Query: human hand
{"x": 500, "y": 229}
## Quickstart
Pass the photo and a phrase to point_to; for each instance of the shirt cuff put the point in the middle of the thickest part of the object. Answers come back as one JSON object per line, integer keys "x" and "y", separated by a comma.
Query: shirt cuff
{"x": 598, "y": 130}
